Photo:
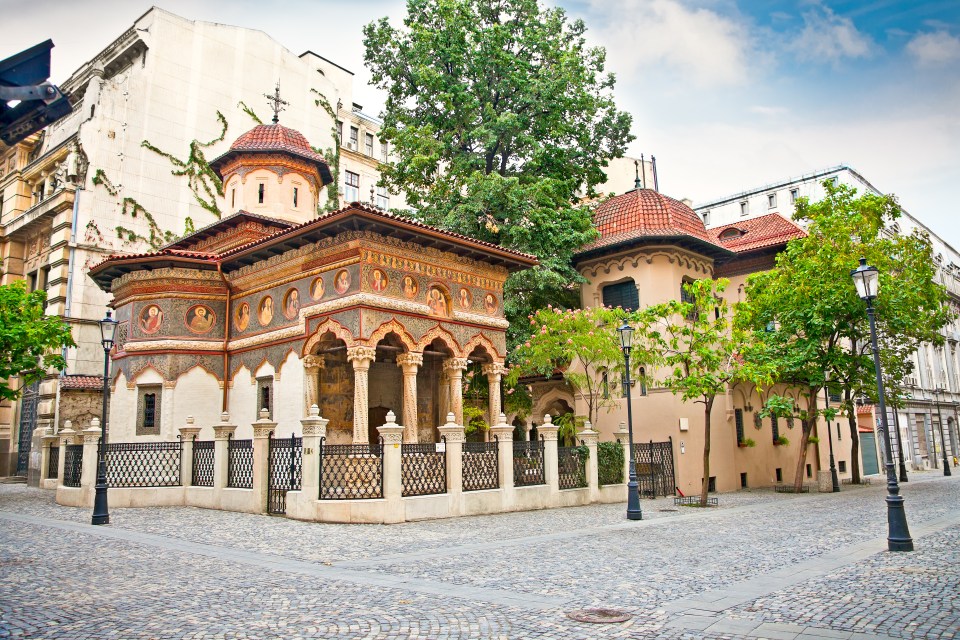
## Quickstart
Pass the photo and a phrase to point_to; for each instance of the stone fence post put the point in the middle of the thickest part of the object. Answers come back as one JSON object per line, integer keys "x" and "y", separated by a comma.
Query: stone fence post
{"x": 503, "y": 433}
{"x": 88, "y": 471}
{"x": 188, "y": 434}
{"x": 453, "y": 433}
{"x": 221, "y": 436}
{"x": 314, "y": 431}
{"x": 551, "y": 461}
{"x": 67, "y": 436}
{"x": 622, "y": 436}
{"x": 392, "y": 435}
{"x": 48, "y": 440}
{"x": 589, "y": 438}
{"x": 262, "y": 430}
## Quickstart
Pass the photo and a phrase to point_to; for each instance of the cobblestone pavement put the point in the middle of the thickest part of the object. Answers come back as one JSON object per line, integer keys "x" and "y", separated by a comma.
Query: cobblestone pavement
{"x": 762, "y": 565}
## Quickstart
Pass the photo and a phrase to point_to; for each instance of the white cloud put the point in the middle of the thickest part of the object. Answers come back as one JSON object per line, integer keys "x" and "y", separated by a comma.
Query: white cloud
{"x": 765, "y": 110}
{"x": 827, "y": 37}
{"x": 934, "y": 49}
{"x": 706, "y": 47}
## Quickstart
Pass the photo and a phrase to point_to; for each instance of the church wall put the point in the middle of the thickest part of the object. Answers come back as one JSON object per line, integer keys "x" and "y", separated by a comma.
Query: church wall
{"x": 196, "y": 393}
{"x": 288, "y": 392}
{"x": 278, "y": 195}
{"x": 242, "y": 403}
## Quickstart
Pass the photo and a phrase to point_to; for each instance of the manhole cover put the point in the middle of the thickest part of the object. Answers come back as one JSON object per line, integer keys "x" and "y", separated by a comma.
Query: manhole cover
{"x": 599, "y": 615}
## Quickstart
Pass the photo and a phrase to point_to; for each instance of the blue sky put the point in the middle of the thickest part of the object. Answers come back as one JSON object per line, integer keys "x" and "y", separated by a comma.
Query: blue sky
{"x": 728, "y": 95}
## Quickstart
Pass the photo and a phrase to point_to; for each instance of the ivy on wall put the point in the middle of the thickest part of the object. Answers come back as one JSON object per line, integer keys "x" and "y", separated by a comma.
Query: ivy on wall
{"x": 332, "y": 156}
{"x": 250, "y": 112}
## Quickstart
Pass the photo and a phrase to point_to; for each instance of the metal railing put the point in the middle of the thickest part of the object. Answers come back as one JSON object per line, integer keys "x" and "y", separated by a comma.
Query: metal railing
{"x": 528, "y": 468}
{"x": 284, "y": 471}
{"x": 239, "y": 464}
{"x": 72, "y": 465}
{"x": 351, "y": 471}
{"x": 203, "y": 463}
{"x": 423, "y": 469}
{"x": 654, "y": 462}
{"x": 53, "y": 463}
{"x": 572, "y": 467}
{"x": 143, "y": 464}
{"x": 481, "y": 463}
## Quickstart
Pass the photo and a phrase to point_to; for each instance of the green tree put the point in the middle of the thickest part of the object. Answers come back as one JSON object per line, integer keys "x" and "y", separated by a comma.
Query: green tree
{"x": 704, "y": 354}
{"x": 30, "y": 342}
{"x": 499, "y": 115}
{"x": 807, "y": 317}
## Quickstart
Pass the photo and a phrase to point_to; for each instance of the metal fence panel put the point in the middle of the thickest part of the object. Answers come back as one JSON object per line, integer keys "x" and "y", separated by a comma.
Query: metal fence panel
{"x": 481, "y": 464}
{"x": 203, "y": 463}
{"x": 143, "y": 464}
{"x": 572, "y": 465}
{"x": 72, "y": 465}
{"x": 423, "y": 469}
{"x": 53, "y": 463}
{"x": 240, "y": 464}
{"x": 351, "y": 471}
{"x": 284, "y": 471}
{"x": 528, "y": 463}
{"x": 654, "y": 462}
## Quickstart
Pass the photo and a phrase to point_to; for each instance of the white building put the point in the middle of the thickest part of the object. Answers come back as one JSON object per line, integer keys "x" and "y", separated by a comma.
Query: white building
{"x": 935, "y": 368}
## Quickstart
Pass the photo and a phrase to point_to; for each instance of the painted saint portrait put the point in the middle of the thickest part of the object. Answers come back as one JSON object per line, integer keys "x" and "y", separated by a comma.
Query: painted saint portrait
{"x": 291, "y": 304}
{"x": 150, "y": 319}
{"x": 200, "y": 318}
{"x": 437, "y": 302}
{"x": 316, "y": 288}
{"x": 243, "y": 317}
{"x": 490, "y": 303}
{"x": 265, "y": 312}
{"x": 378, "y": 280}
{"x": 410, "y": 287}
{"x": 342, "y": 282}
{"x": 464, "y": 299}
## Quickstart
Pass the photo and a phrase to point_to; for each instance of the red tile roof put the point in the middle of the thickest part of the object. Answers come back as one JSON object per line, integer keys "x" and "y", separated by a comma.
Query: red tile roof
{"x": 757, "y": 233}
{"x": 645, "y": 213}
{"x": 81, "y": 382}
{"x": 175, "y": 253}
{"x": 276, "y": 137}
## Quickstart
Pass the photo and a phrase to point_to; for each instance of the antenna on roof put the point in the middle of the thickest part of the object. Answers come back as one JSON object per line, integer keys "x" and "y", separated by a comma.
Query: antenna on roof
{"x": 653, "y": 162}
{"x": 637, "y": 183}
{"x": 276, "y": 103}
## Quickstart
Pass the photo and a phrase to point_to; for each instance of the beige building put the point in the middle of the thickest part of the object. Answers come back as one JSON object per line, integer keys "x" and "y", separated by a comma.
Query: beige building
{"x": 126, "y": 172}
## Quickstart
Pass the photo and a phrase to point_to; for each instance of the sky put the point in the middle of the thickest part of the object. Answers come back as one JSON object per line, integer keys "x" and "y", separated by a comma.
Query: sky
{"x": 728, "y": 95}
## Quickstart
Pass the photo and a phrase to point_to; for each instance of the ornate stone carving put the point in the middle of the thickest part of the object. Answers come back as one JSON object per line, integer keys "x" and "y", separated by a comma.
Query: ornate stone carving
{"x": 494, "y": 369}
{"x": 455, "y": 364}
{"x": 361, "y": 357}
{"x": 315, "y": 362}
{"x": 391, "y": 432}
{"x": 410, "y": 359}
{"x": 410, "y": 364}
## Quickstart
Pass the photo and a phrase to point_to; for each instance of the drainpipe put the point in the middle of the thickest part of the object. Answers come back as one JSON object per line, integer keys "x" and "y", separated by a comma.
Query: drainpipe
{"x": 226, "y": 337}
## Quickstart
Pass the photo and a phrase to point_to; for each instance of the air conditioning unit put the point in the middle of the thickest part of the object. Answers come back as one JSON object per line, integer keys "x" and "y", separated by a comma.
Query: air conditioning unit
{"x": 352, "y": 145}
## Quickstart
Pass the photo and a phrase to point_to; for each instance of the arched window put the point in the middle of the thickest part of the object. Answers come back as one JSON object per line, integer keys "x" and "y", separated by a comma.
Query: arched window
{"x": 643, "y": 381}
{"x": 622, "y": 294}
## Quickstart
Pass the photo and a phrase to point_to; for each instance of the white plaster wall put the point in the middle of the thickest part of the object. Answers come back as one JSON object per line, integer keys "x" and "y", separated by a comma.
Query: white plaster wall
{"x": 288, "y": 397}
{"x": 242, "y": 402}
{"x": 197, "y": 393}
{"x": 123, "y": 408}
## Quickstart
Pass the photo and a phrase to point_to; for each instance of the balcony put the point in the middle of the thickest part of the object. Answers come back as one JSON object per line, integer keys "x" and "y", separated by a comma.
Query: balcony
{"x": 60, "y": 200}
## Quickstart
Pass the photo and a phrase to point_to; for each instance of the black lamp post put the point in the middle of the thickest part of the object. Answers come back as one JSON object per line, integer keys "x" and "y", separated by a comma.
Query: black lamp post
{"x": 943, "y": 443}
{"x": 896, "y": 429}
{"x": 101, "y": 514}
{"x": 633, "y": 492}
{"x": 833, "y": 465}
{"x": 866, "y": 279}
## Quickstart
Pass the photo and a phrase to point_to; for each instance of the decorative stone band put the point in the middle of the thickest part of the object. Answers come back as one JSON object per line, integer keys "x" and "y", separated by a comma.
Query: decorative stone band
{"x": 160, "y": 345}
{"x": 313, "y": 424}
{"x": 588, "y": 435}
{"x": 223, "y": 430}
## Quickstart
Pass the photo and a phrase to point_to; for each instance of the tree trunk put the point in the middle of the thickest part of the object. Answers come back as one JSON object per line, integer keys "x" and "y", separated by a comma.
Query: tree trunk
{"x": 854, "y": 447}
{"x": 806, "y": 429}
{"x": 705, "y": 486}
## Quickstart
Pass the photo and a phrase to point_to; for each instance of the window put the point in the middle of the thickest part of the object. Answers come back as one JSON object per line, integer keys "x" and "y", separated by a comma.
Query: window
{"x": 261, "y": 191}
{"x": 775, "y": 427}
{"x": 842, "y": 466}
{"x": 32, "y": 281}
{"x": 839, "y": 436}
{"x": 265, "y": 395}
{"x": 604, "y": 385}
{"x": 368, "y": 144}
{"x": 779, "y": 474}
{"x": 622, "y": 294}
{"x": 383, "y": 198}
{"x": 706, "y": 217}
{"x": 712, "y": 484}
{"x": 44, "y": 278}
{"x": 233, "y": 198}
{"x": 794, "y": 194}
{"x": 148, "y": 409}
{"x": 643, "y": 381}
{"x": 738, "y": 420}
{"x": 354, "y": 138}
{"x": 809, "y": 470}
{"x": 771, "y": 201}
{"x": 295, "y": 197}
{"x": 743, "y": 480}
{"x": 351, "y": 189}
{"x": 687, "y": 297}
{"x": 383, "y": 151}
{"x": 340, "y": 131}
{"x": 744, "y": 208}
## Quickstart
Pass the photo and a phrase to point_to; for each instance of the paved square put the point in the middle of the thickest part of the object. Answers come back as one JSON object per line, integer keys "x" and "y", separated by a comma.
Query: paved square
{"x": 763, "y": 565}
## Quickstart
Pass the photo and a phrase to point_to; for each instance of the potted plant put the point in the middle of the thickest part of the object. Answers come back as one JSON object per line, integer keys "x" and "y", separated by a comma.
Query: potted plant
{"x": 746, "y": 442}
{"x": 781, "y": 441}
{"x": 813, "y": 440}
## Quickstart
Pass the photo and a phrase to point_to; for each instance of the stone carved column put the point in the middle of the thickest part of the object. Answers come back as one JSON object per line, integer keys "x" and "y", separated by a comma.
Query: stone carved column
{"x": 262, "y": 430}
{"x": 551, "y": 466}
{"x": 188, "y": 434}
{"x": 67, "y": 436}
{"x": 494, "y": 372}
{"x": 392, "y": 435}
{"x": 589, "y": 437}
{"x": 410, "y": 363}
{"x": 361, "y": 358}
{"x": 222, "y": 433}
{"x": 453, "y": 433}
{"x": 314, "y": 432}
{"x": 312, "y": 366}
{"x": 455, "y": 368}
{"x": 503, "y": 434}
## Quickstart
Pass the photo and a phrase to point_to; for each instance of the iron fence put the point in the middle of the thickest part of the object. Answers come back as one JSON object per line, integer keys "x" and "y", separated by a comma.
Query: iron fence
{"x": 72, "y": 465}
{"x": 528, "y": 463}
{"x": 143, "y": 464}
{"x": 284, "y": 471}
{"x": 53, "y": 463}
{"x": 203, "y": 463}
{"x": 572, "y": 467}
{"x": 654, "y": 462}
{"x": 351, "y": 471}
{"x": 240, "y": 464}
{"x": 481, "y": 464}
{"x": 423, "y": 469}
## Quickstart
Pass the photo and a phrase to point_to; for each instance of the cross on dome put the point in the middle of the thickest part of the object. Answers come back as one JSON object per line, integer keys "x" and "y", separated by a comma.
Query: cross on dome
{"x": 277, "y": 104}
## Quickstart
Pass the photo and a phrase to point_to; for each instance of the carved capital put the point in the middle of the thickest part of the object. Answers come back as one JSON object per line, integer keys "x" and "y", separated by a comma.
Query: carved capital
{"x": 452, "y": 432}
{"x": 188, "y": 433}
{"x": 361, "y": 357}
{"x": 411, "y": 360}
{"x": 223, "y": 431}
{"x": 455, "y": 366}
{"x": 391, "y": 433}
{"x": 494, "y": 369}
{"x": 502, "y": 432}
{"x": 588, "y": 436}
{"x": 314, "y": 363}
{"x": 314, "y": 427}
{"x": 91, "y": 435}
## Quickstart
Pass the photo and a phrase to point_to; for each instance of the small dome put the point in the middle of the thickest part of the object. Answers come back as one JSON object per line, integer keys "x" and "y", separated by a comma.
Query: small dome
{"x": 645, "y": 212}
{"x": 275, "y": 137}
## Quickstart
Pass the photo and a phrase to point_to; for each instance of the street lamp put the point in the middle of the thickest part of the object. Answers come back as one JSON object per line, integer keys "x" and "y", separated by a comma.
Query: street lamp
{"x": 101, "y": 514}
{"x": 833, "y": 465}
{"x": 943, "y": 443}
{"x": 866, "y": 279}
{"x": 633, "y": 492}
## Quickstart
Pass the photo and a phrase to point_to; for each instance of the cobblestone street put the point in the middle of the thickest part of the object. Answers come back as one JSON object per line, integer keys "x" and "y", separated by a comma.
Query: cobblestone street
{"x": 763, "y": 565}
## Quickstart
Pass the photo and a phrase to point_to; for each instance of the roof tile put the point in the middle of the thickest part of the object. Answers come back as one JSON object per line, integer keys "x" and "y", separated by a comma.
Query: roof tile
{"x": 757, "y": 233}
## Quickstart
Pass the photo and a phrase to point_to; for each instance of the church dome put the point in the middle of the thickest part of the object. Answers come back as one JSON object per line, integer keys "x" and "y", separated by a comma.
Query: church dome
{"x": 274, "y": 139}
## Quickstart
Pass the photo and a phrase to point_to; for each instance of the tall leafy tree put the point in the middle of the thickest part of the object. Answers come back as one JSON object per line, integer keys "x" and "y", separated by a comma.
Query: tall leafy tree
{"x": 500, "y": 117}
{"x": 806, "y": 314}
{"x": 30, "y": 342}
{"x": 703, "y": 354}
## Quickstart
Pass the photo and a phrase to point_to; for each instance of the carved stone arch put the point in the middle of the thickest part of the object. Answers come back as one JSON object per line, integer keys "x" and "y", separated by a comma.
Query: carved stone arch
{"x": 555, "y": 394}
{"x": 481, "y": 340}
{"x": 445, "y": 336}
{"x": 235, "y": 371}
{"x": 332, "y": 326}
{"x": 198, "y": 365}
{"x": 395, "y": 326}
{"x": 132, "y": 380}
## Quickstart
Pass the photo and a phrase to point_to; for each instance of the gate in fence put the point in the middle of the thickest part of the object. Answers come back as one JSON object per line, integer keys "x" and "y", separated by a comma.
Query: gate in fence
{"x": 285, "y": 471}
{"x": 655, "y": 468}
